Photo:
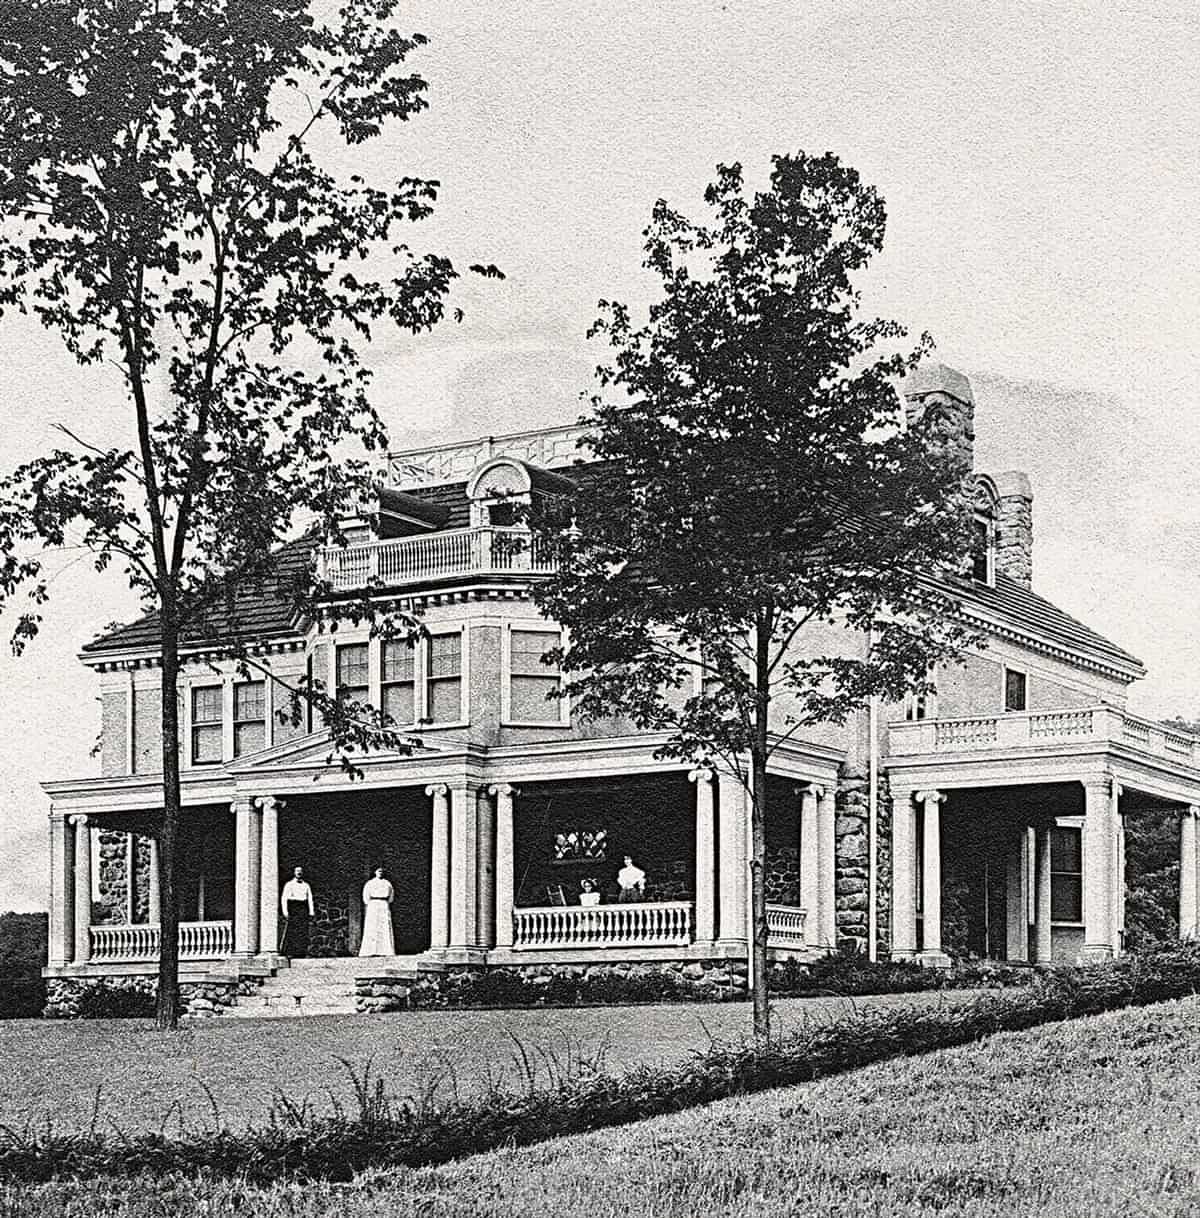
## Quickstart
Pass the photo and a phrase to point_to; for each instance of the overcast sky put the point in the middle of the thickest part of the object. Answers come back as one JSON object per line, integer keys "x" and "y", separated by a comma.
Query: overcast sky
{"x": 1042, "y": 175}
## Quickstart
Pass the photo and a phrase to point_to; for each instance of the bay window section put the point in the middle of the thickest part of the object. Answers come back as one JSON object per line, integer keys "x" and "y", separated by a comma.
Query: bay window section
{"x": 443, "y": 680}
{"x": 531, "y": 683}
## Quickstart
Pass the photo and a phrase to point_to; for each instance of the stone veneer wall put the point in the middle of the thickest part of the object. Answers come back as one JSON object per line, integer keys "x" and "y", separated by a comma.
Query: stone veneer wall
{"x": 108, "y": 905}
{"x": 329, "y": 930}
{"x": 200, "y": 999}
{"x": 852, "y": 879}
{"x": 782, "y": 874}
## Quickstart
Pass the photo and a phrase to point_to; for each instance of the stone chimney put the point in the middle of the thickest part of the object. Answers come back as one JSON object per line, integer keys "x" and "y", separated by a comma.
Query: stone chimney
{"x": 943, "y": 397}
{"x": 1014, "y": 526}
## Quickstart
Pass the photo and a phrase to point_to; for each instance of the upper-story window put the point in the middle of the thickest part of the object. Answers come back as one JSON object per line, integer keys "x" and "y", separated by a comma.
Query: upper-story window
{"x": 1016, "y": 690}
{"x": 983, "y": 548}
{"x": 207, "y": 727}
{"x": 443, "y": 679}
{"x": 497, "y": 491}
{"x": 249, "y": 717}
{"x": 398, "y": 681}
{"x": 532, "y": 684}
{"x": 353, "y": 672}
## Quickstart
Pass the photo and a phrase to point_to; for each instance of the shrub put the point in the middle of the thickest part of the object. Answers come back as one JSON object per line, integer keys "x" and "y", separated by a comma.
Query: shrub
{"x": 853, "y": 975}
{"x": 300, "y": 1144}
{"x": 108, "y": 1001}
{"x": 23, "y": 939}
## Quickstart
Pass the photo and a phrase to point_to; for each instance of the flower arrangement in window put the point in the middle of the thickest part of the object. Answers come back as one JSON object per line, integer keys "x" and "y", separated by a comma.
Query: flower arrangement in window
{"x": 580, "y": 845}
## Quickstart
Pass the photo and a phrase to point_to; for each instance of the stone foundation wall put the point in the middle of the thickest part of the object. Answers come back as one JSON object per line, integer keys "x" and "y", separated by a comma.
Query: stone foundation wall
{"x": 698, "y": 980}
{"x": 66, "y": 996}
{"x": 852, "y": 876}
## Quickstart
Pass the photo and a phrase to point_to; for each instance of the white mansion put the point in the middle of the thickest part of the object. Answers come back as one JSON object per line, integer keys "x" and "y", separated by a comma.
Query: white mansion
{"x": 988, "y": 819}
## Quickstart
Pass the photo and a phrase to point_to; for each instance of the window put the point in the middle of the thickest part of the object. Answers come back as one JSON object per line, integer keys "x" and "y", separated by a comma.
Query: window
{"x": 249, "y": 717}
{"x": 206, "y": 723}
{"x": 397, "y": 682}
{"x": 444, "y": 678}
{"x": 1015, "y": 690}
{"x": 531, "y": 684}
{"x": 983, "y": 551}
{"x": 1066, "y": 875}
{"x": 352, "y": 673}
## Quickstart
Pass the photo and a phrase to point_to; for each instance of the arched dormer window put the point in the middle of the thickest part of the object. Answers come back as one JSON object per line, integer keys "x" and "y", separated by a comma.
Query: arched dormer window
{"x": 983, "y": 549}
{"x": 497, "y": 490}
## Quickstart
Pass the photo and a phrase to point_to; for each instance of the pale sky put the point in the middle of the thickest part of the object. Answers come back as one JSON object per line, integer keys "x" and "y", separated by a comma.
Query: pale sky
{"x": 1042, "y": 175}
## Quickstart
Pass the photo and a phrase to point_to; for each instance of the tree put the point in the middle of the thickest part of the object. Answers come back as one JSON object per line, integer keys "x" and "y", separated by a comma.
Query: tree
{"x": 753, "y": 482}
{"x": 166, "y": 208}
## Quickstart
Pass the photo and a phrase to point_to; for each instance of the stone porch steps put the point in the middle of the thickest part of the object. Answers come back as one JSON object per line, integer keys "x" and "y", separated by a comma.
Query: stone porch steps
{"x": 315, "y": 986}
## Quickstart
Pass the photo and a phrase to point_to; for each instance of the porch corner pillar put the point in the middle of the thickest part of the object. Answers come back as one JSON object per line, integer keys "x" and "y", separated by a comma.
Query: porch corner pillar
{"x": 827, "y": 851}
{"x": 247, "y": 861}
{"x": 83, "y": 889}
{"x": 810, "y": 865}
{"x": 485, "y": 900}
{"x": 464, "y": 868}
{"x": 61, "y": 947}
{"x": 705, "y": 925}
{"x": 439, "y": 867}
{"x": 732, "y": 862}
{"x": 1099, "y": 858}
{"x": 503, "y": 793}
{"x": 1043, "y": 950}
{"x": 269, "y": 892}
{"x": 153, "y": 891}
{"x": 904, "y": 877}
{"x": 931, "y": 877}
{"x": 1187, "y": 873}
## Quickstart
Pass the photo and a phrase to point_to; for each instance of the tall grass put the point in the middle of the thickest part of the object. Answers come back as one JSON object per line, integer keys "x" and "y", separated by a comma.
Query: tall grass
{"x": 570, "y": 1093}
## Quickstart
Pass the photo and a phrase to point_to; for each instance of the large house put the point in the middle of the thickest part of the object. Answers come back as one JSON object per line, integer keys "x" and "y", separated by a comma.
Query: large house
{"x": 987, "y": 819}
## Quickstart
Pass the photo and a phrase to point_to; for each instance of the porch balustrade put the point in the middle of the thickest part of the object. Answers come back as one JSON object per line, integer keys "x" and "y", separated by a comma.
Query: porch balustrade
{"x": 406, "y": 560}
{"x": 785, "y": 926}
{"x": 1031, "y": 728}
{"x": 128, "y": 944}
{"x": 645, "y": 924}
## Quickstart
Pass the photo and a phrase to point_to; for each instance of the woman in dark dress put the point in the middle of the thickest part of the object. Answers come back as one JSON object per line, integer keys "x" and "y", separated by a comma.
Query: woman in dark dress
{"x": 296, "y": 902}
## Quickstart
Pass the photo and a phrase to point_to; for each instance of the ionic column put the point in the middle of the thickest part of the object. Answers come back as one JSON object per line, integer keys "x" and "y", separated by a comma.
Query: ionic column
{"x": 904, "y": 877}
{"x": 810, "y": 866}
{"x": 1043, "y": 945}
{"x": 485, "y": 903}
{"x": 931, "y": 888}
{"x": 83, "y": 889}
{"x": 62, "y": 892}
{"x": 464, "y": 868}
{"x": 1187, "y": 873}
{"x": 247, "y": 859}
{"x": 732, "y": 879}
{"x": 268, "y": 893}
{"x": 505, "y": 864}
{"x": 706, "y": 856}
{"x": 1099, "y": 851}
{"x": 153, "y": 890}
{"x": 827, "y": 851}
{"x": 439, "y": 867}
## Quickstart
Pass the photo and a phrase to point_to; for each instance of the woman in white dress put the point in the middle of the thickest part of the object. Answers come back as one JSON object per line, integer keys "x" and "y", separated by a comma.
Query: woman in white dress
{"x": 378, "y": 895}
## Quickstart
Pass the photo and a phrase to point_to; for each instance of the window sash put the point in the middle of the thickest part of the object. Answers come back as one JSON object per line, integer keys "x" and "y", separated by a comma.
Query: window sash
{"x": 250, "y": 702}
{"x": 1016, "y": 690}
{"x": 1066, "y": 875}
{"x": 526, "y": 648}
{"x": 444, "y": 655}
{"x": 207, "y": 704}
{"x": 206, "y": 743}
{"x": 352, "y": 669}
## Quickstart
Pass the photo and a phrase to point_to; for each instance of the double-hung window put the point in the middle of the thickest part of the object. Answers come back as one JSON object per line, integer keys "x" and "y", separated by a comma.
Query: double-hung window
{"x": 443, "y": 678}
{"x": 1066, "y": 875}
{"x": 353, "y": 673}
{"x": 1016, "y": 690}
{"x": 249, "y": 717}
{"x": 532, "y": 685}
{"x": 207, "y": 729}
{"x": 398, "y": 682}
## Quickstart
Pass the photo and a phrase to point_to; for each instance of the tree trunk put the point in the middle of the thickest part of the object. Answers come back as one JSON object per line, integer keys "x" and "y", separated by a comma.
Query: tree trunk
{"x": 758, "y": 839}
{"x": 167, "y": 1010}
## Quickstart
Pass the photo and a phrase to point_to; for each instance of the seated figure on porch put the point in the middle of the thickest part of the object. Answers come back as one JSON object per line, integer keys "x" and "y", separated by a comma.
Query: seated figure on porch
{"x": 632, "y": 881}
{"x": 296, "y": 902}
{"x": 377, "y": 896}
{"x": 588, "y": 894}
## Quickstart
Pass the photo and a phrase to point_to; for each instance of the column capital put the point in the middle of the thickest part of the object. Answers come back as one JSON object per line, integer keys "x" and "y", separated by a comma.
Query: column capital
{"x": 78, "y": 818}
{"x": 930, "y": 797}
{"x": 500, "y": 788}
{"x": 1104, "y": 783}
{"x": 701, "y": 773}
{"x": 270, "y": 803}
{"x": 437, "y": 788}
{"x": 242, "y": 803}
{"x": 1192, "y": 810}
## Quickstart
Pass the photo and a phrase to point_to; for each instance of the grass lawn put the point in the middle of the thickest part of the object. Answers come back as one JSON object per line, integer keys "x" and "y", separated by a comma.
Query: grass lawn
{"x": 1096, "y": 1117}
{"x": 150, "y": 1080}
